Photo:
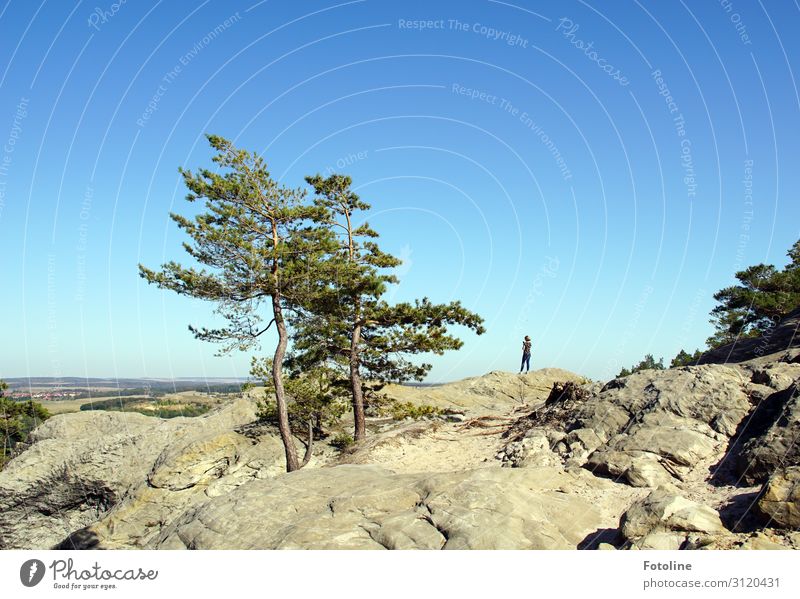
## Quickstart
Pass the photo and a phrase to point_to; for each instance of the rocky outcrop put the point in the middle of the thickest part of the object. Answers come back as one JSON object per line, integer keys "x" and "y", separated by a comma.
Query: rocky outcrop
{"x": 112, "y": 466}
{"x": 664, "y": 520}
{"x": 656, "y": 460}
{"x": 770, "y": 438}
{"x": 647, "y": 429}
{"x": 779, "y": 501}
{"x": 493, "y": 392}
{"x": 784, "y": 336}
{"x": 367, "y": 507}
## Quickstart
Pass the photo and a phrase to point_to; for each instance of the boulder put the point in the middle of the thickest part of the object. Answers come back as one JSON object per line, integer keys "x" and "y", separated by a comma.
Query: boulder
{"x": 771, "y": 438}
{"x": 779, "y": 501}
{"x": 661, "y": 518}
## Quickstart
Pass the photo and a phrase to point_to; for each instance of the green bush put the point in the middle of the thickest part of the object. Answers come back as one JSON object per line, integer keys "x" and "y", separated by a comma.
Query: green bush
{"x": 400, "y": 411}
{"x": 342, "y": 441}
{"x": 17, "y": 419}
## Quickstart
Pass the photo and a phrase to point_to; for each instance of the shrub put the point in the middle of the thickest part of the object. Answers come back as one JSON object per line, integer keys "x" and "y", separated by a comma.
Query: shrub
{"x": 400, "y": 411}
{"x": 342, "y": 441}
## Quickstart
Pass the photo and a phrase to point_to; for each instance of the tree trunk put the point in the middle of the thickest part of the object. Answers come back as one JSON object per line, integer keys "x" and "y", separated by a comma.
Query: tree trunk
{"x": 355, "y": 386}
{"x": 310, "y": 446}
{"x": 292, "y": 462}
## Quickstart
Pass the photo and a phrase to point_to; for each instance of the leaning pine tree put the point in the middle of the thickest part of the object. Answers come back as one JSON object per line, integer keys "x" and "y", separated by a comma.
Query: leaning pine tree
{"x": 352, "y": 325}
{"x": 261, "y": 248}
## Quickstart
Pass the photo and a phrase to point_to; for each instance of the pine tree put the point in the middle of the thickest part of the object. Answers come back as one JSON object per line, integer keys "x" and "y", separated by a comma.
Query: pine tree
{"x": 352, "y": 325}
{"x": 763, "y": 297}
{"x": 685, "y": 359}
{"x": 261, "y": 249}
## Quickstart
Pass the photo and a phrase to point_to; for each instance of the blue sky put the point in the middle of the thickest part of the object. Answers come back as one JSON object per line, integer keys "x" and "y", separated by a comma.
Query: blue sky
{"x": 585, "y": 173}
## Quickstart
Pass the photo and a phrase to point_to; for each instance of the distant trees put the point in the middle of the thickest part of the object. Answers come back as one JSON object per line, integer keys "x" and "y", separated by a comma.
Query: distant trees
{"x": 17, "y": 419}
{"x": 647, "y": 363}
{"x": 763, "y": 296}
{"x": 319, "y": 276}
{"x": 685, "y": 359}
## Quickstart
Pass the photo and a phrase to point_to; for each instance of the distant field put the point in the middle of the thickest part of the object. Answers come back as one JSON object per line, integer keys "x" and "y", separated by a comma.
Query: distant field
{"x": 171, "y": 403}
{"x": 73, "y": 405}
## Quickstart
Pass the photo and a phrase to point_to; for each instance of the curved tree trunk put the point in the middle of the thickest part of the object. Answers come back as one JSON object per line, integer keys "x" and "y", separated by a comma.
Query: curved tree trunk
{"x": 292, "y": 462}
{"x": 310, "y": 446}
{"x": 356, "y": 387}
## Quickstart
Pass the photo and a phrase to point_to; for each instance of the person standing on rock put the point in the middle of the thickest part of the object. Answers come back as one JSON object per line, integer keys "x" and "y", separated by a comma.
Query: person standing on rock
{"x": 526, "y": 355}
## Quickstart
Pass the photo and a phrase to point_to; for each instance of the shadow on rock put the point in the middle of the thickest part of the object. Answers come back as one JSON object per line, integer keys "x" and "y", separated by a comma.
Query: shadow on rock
{"x": 80, "y": 539}
{"x": 609, "y": 536}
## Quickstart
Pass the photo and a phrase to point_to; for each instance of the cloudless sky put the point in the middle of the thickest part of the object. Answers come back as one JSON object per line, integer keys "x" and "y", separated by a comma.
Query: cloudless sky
{"x": 587, "y": 173}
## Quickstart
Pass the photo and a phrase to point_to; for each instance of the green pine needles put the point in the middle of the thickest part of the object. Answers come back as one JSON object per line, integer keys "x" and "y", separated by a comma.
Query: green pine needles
{"x": 268, "y": 254}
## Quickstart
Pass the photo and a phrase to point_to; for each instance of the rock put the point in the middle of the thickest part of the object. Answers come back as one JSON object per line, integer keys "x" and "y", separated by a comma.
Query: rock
{"x": 771, "y": 439}
{"x": 606, "y": 547}
{"x": 129, "y": 469}
{"x": 532, "y": 450}
{"x": 761, "y": 542}
{"x": 638, "y": 468}
{"x": 492, "y": 392}
{"x": 777, "y": 340}
{"x": 662, "y": 540}
{"x": 367, "y": 507}
{"x": 662, "y": 425}
{"x": 779, "y": 500}
{"x": 776, "y": 375}
{"x": 662, "y": 513}
{"x": 184, "y": 465}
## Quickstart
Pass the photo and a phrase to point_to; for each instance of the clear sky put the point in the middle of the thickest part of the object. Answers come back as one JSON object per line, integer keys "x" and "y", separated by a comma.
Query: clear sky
{"x": 587, "y": 173}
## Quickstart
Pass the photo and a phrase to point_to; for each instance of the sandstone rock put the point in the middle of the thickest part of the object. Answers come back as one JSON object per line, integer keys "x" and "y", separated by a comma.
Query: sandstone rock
{"x": 81, "y": 467}
{"x": 781, "y": 338}
{"x": 367, "y": 507}
{"x": 662, "y": 540}
{"x": 776, "y": 375}
{"x": 661, "y": 425}
{"x": 779, "y": 500}
{"x": 664, "y": 512}
{"x": 184, "y": 465}
{"x": 761, "y": 542}
{"x": 772, "y": 437}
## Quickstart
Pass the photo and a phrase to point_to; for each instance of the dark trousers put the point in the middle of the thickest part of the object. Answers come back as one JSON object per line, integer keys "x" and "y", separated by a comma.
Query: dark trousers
{"x": 526, "y": 362}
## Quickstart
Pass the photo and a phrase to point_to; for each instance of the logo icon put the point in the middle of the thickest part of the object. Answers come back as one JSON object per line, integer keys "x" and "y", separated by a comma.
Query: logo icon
{"x": 32, "y": 572}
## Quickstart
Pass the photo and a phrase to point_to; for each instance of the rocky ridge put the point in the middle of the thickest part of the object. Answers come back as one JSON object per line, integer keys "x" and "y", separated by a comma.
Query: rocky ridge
{"x": 695, "y": 457}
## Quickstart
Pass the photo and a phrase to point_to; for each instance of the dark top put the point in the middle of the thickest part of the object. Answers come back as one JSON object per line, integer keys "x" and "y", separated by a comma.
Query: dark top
{"x": 526, "y": 347}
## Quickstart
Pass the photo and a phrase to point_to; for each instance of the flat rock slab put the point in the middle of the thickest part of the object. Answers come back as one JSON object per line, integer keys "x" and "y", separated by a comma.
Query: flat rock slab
{"x": 368, "y": 507}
